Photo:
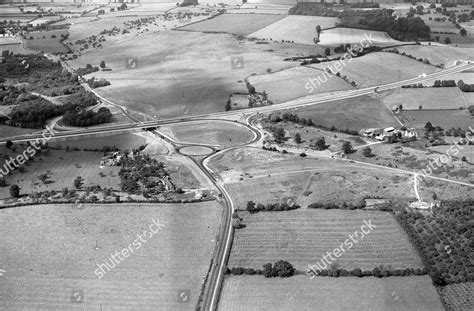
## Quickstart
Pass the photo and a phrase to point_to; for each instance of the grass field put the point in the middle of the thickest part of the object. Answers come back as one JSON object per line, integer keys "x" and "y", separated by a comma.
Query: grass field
{"x": 43, "y": 41}
{"x": 299, "y": 293}
{"x": 57, "y": 255}
{"x": 302, "y": 237}
{"x": 259, "y": 7}
{"x": 237, "y": 24}
{"x": 428, "y": 98}
{"x": 263, "y": 176}
{"x": 446, "y": 119}
{"x": 295, "y": 28}
{"x": 351, "y": 113}
{"x": 9, "y": 131}
{"x": 377, "y": 69}
{"x": 458, "y": 296}
{"x": 295, "y": 82}
{"x": 65, "y": 167}
{"x": 209, "y": 132}
{"x": 446, "y": 55}
{"x": 14, "y": 45}
{"x": 180, "y": 72}
{"x": 339, "y": 36}
{"x": 121, "y": 141}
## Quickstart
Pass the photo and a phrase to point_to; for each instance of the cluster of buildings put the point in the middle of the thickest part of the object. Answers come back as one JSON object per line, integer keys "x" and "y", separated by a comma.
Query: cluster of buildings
{"x": 259, "y": 99}
{"x": 387, "y": 133}
{"x": 115, "y": 158}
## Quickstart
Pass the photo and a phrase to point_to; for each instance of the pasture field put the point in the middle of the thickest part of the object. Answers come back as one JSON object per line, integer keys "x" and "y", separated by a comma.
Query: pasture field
{"x": 339, "y": 36}
{"x": 10, "y": 131}
{"x": 458, "y": 296}
{"x": 209, "y": 132}
{"x": 446, "y": 119}
{"x": 257, "y": 8}
{"x": 295, "y": 28}
{"x": 467, "y": 151}
{"x": 65, "y": 167}
{"x": 303, "y": 236}
{"x": 264, "y": 176}
{"x": 63, "y": 246}
{"x": 44, "y": 41}
{"x": 309, "y": 134}
{"x": 181, "y": 72}
{"x": 377, "y": 69}
{"x": 299, "y": 293}
{"x": 445, "y": 98}
{"x": 184, "y": 172}
{"x": 461, "y": 41}
{"x": 427, "y": 187}
{"x": 121, "y": 141}
{"x": 285, "y": 85}
{"x": 469, "y": 26}
{"x": 435, "y": 26}
{"x": 438, "y": 54}
{"x": 351, "y": 113}
{"x": 416, "y": 160}
{"x": 466, "y": 76}
{"x": 44, "y": 19}
{"x": 14, "y": 45}
{"x": 237, "y": 24}
{"x": 8, "y": 9}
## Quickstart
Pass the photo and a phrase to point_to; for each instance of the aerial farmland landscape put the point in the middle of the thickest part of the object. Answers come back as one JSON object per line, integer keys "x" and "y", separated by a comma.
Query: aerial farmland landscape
{"x": 237, "y": 155}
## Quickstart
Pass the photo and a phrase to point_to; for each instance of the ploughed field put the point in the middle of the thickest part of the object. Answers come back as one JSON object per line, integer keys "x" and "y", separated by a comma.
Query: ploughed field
{"x": 51, "y": 255}
{"x": 302, "y": 237}
{"x": 300, "y": 293}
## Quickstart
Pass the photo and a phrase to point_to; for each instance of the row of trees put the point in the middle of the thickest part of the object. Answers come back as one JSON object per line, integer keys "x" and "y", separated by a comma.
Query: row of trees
{"x": 284, "y": 206}
{"x": 281, "y": 268}
{"x": 345, "y": 206}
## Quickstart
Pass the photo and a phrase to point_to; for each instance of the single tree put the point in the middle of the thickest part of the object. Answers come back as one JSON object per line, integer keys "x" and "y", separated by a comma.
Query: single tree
{"x": 3, "y": 182}
{"x": 347, "y": 147}
{"x": 320, "y": 144}
{"x": 236, "y": 223}
{"x": 298, "y": 138}
{"x": 318, "y": 29}
{"x": 367, "y": 152}
{"x": 284, "y": 269}
{"x": 43, "y": 178}
{"x": 327, "y": 51}
{"x": 268, "y": 271}
{"x": 463, "y": 32}
{"x": 102, "y": 64}
{"x": 279, "y": 134}
{"x": 8, "y": 144}
{"x": 428, "y": 126}
{"x": 228, "y": 105}
{"x": 250, "y": 206}
{"x": 14, "y": 191}
{"x": 78, "y": 182}
{"x": 447, "y": 40}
